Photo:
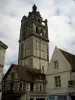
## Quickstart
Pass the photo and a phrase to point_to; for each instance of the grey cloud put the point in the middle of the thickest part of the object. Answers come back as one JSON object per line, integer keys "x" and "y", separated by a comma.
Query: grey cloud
{"x": 11, "y": 12}
{"x": 57, "y": 12}
{"x": 3, "y": 35}
{"x": 70, "y": 20}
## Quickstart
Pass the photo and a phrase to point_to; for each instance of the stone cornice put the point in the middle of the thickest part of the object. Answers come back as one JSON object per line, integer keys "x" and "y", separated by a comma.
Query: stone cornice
{"x": 36, "y": 35}
{"x": 3, "y": 45}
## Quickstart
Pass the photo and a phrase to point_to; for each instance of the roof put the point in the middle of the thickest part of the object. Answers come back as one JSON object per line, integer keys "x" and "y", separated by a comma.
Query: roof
{"x": 24, "y": 73}
{"x": 4, "y": 46}
{"x": 70, "y": 58}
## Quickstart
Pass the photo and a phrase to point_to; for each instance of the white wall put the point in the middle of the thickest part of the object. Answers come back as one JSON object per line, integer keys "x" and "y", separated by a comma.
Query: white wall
{"x": 38, "y": 63}
{"x": 63, "y": 71}
{"x": 65, "y": 76}
{"x": 63, "y": 64}
{"x": 2, "y": 56}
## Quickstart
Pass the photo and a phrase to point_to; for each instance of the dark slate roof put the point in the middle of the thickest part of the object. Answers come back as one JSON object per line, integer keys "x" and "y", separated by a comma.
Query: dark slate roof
{"x": 70, "y": 58}
{"x": 25, "y": 73}
{"x": 4, "y": 46}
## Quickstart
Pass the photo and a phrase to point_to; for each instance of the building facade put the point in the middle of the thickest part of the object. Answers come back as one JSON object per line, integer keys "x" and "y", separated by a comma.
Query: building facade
{"x": 33, "y": 42}
{"x": 3, "y": 48}
{"x": 24, "y": 83}
{"x": 27, "y": 80}
{"x": 61, "y": 76}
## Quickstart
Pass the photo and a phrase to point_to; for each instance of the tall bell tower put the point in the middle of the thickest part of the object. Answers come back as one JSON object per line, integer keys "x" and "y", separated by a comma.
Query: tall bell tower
{"x": 33, "y": 42}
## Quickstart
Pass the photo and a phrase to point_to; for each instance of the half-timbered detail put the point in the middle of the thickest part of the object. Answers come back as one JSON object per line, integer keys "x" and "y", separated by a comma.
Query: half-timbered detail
{"x": 24, "y": 82}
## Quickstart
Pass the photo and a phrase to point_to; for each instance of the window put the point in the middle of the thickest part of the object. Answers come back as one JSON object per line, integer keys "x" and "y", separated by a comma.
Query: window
{"x": 38, "y": 44}
{"x": 31, "y": 87}
{"x": 31, "y": 98}
{"x": 42, "y": 46}
{"x": 43, "y": 69}
{"x": 40, "y": 88}
{"x": 12, "y": 76}
{"x": 62, "y": 97}
{"x": 24, "y": 86}
{"x": 37, "y": 30}
{"x": 35, "y": 42}
{"x": 39, "y": 20}
{"x": 44, "y": 87}
{"x": 45, "y": 47}
{"x": 22, "y": 46}
{"x": 55, "y": 64}
{"x": 23, "y": 54}
{"x": 4, "y": 86}
{"x": 35, "y": 52}
{"x": 41, "y": 32}
{"x": 44, "y": 32}
{"x": 57, "y": 81}
{"x": 30, "y": 29}
{"x": 11, "y": 86}
{"x": 27, "y": 45}
{"x": 20, "y": 86}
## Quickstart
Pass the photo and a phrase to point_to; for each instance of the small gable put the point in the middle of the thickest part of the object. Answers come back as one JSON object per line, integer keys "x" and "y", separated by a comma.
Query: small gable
{"x": 70, "y": 58}
{"x": 11, "y": 73}
{"x": 58, "y": 63}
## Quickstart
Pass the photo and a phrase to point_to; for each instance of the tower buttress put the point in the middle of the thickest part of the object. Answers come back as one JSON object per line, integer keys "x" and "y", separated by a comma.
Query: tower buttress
{"x": 33, "y": 42}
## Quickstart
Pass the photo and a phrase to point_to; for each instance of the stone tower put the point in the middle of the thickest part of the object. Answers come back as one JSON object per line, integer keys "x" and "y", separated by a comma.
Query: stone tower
{"x": 33, "y": 42}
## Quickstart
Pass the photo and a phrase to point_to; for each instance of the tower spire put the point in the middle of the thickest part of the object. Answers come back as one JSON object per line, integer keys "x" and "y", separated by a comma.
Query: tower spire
{"x": 34, "y": 8}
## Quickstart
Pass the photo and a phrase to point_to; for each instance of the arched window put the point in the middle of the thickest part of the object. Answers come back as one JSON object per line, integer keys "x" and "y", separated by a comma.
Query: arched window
{"x": 37, "y": 30}
{"x": 40, "y": 88}
{"x": 39, "y": 20}
{"x": 44, "y": 32}
{"x": 41, "y": 32}
{"x": 32, "y": 87}
{"x": 29, "y": 29}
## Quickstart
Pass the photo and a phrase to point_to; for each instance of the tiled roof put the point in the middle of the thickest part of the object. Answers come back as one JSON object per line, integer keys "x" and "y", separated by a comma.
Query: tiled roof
{"x": 25, "y": 73}
{"x": 70, "y": 58}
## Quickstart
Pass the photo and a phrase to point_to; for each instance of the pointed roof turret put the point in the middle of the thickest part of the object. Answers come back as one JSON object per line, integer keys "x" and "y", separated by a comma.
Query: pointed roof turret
{"x": 34, "y": 8}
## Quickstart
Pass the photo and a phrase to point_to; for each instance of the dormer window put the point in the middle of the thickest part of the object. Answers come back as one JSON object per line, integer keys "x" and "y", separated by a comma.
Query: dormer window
{"x": 56, "y": 64}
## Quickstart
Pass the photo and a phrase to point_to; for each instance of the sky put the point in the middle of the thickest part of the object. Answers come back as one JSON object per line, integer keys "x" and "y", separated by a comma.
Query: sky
{"x": 61, "y": 24}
